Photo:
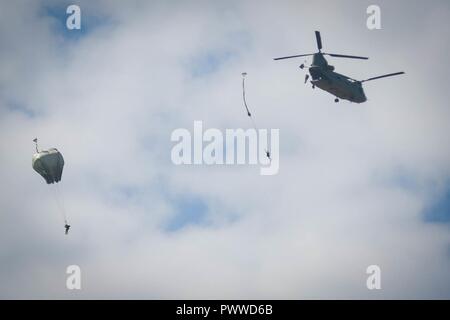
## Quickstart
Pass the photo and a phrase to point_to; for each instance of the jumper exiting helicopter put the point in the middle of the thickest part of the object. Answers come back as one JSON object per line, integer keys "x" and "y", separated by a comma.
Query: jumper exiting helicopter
{"x": 324, "y": 77}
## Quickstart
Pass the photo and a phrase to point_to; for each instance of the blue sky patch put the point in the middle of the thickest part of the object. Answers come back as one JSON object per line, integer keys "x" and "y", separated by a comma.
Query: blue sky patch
{"x": 19, "y": 107}
{"x": 208, "y": 63}
{"x": 188, "y": 211}
{"x": 439, "y": 210}
{"x": 89, "y": 20}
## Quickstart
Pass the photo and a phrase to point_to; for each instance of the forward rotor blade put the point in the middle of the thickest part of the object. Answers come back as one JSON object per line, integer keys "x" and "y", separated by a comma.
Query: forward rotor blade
{"x": 345, "y": 56}
{"x": 319, "y": 40}
{"x": 384, "y": 76}
{"x": 296, "y": 56}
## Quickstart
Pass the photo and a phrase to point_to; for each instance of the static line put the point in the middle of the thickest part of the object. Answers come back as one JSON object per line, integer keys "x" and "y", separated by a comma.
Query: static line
{"x": 249, "y": 113}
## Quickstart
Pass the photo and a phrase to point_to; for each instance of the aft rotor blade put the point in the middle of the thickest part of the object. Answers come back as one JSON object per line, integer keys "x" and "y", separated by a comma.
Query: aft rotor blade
{"x": 384, "y": 76}
{"x": 296, "y": 56}
{"x": 319, "y": 40}
{"x": 345, "y": 56}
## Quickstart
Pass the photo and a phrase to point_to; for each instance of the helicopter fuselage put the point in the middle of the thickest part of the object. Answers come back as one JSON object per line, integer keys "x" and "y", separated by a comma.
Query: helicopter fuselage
{"x": 323, "y": 76}
{"x": 343, "y": 87}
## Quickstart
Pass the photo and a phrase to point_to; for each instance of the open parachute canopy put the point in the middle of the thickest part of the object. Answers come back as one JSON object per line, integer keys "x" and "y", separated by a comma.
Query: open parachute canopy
{"x": 49, "y": 164}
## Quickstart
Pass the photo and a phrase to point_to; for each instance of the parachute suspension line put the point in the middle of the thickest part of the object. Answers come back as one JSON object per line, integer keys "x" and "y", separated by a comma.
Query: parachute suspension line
{"x": 249, "y": 113}
{"x": 60, "y": 202}
{"x": 35, "y": 140}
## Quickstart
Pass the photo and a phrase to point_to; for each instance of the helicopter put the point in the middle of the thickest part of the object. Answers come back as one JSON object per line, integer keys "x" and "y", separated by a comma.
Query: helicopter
{"x": 324, "y": 77}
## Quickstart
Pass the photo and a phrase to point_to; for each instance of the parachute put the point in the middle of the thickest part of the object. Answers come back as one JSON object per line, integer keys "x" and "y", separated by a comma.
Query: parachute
{"x": 49, "y": 164}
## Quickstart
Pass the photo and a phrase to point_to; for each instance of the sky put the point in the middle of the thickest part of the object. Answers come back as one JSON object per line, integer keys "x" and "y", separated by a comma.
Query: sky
{"x": 358, "y": 184}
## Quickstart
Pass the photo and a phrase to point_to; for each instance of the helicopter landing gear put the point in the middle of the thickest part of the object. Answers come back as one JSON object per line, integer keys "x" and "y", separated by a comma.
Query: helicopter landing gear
{"x": 313, "y": 86}
{"x": 302, "y": 66}
{"x": 336, "y": 100}
{"x": 306, "y": 78}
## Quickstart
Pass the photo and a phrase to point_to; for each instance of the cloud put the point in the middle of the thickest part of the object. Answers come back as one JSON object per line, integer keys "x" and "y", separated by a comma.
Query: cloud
{"x": 354, "y": 180}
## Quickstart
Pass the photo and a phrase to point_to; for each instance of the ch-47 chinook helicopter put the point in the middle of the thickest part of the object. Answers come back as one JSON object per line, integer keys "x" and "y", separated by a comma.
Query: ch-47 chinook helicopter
{"x": 324, "y": 77}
